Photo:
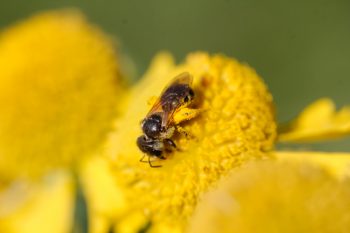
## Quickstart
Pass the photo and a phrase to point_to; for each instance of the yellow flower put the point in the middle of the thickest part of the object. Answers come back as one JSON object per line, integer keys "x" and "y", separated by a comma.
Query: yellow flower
{"x": 236, "y": 124}
{"x": 276, "y": 197}
{"x": 59, "y": 90}
{"x": 60, "y": 86}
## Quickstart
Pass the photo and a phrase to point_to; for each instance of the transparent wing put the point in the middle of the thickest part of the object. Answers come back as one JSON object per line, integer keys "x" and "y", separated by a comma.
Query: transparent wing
{"x": 167, "y": 116}
{"x": 157, "y": 107}
{"x": 183, "y": 78}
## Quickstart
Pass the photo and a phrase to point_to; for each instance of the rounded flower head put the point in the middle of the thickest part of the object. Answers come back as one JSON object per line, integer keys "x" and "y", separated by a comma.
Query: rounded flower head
{"x": 235, "y": 124}
{"x": 276, "y": 197}
{"x": 59, "y": 85}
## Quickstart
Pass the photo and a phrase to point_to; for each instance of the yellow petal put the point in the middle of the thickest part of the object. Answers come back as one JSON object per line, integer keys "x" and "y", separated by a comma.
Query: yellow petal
{"x": 104, "y": 198}
{"x": 273, "y": 196}
{"x": 319, "y": 121}
{"x": 59, "y": 88}
{"x": 236, "y": 124}
{"x": 41, "y": 208}
{"x": 338, "y": 164}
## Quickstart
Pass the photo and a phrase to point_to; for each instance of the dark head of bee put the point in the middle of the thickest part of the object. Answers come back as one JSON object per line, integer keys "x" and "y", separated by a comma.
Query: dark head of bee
{"x": 149, "y": 146}
{"x": 152, "y": 126}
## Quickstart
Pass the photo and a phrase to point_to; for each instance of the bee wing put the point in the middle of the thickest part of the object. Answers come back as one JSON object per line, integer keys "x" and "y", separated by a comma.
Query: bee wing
{"x": 157, "y": 107}
{"x": 167, "y": 116}
{"x": 183, "y": 78}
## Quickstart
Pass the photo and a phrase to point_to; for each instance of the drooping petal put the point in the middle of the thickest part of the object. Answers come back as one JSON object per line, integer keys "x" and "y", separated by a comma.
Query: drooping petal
{"x": 319, "y": 121}
{"x": 59, "y": 88}
{"x": 44, "y": 207}
{"x": 338, "y": 164}
{"x": 236, "y": 124}
{"x": 105, "y": 199}
{"x": 276, "y": 196}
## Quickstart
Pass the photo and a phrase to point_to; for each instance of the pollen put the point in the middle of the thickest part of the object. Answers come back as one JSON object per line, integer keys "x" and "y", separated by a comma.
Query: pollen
{"x": 235, "y": 124}
{"x": 59, "y": 85}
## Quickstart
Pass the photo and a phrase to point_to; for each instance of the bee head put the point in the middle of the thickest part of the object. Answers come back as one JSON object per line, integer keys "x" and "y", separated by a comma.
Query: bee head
{"x": 152, "y": 126}
{"x": 149, "y": 146}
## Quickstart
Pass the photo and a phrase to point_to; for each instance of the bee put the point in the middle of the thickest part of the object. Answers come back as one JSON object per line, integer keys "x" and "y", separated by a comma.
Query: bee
{"x": 159, "y": 125}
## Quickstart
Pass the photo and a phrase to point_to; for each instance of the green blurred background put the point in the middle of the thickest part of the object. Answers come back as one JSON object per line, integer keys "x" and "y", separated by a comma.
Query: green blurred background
{"x": 300, "y": 48}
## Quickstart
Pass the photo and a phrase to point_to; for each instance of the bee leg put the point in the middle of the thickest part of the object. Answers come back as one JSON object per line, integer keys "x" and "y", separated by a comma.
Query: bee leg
{"x": 170, "y": 142}
{"x": 186, "y": 114}
{"x": 170, "y": 145}
{"x": 143, "y": 161}
{"x": 150, "y": 163}
{"x": 184, "y": 132}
